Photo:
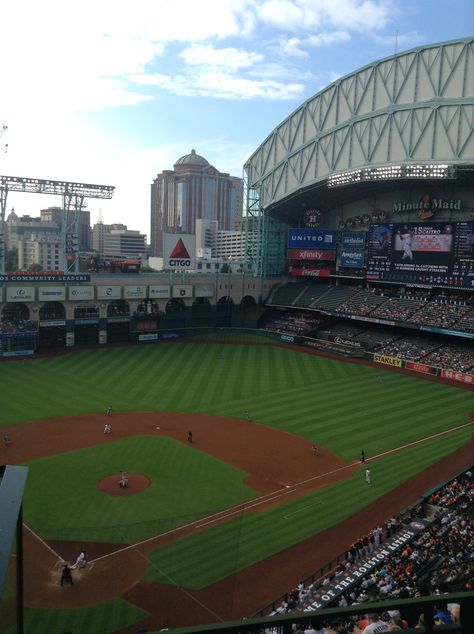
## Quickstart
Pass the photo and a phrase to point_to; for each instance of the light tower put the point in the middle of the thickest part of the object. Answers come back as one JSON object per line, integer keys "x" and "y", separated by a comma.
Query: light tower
{"x": 73, "y": 199}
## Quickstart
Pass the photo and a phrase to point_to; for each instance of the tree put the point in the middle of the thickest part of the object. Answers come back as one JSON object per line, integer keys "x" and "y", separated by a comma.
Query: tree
{"x": 225, "y": 268}
{"x": 35, "y": 267}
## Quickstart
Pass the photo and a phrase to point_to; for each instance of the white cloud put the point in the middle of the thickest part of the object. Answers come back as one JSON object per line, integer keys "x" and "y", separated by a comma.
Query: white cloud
{"x": 309, "y": 15}
{"x": 293, "y": 47}
{"x": 327, "y": 38}
{"x": 216, "y": 84}
{"x": 231, "y": 59}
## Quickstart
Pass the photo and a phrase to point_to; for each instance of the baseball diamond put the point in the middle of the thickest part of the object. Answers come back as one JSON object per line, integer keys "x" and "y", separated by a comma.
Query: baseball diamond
{"x": 273, "y": 481}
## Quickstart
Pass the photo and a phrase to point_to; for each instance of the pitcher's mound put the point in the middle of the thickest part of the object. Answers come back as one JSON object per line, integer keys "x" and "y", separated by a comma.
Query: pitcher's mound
{"x": 136, "y": 482}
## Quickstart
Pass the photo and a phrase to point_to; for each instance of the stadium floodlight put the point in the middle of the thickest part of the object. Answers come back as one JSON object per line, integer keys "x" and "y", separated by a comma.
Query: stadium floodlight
{"x": 391, "y": 172}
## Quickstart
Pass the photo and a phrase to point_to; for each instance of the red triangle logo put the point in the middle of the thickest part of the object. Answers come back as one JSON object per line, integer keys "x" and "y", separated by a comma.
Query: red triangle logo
{"x": 180, "y": 251}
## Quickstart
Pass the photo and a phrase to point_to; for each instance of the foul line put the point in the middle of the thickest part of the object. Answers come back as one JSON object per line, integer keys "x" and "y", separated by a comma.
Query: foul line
{"x": 43, "y": 542}
{"x": 226, "y": 513}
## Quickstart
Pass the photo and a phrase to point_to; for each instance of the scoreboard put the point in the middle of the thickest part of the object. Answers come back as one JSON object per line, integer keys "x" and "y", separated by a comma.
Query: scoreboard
{"x": 435, "y": 254}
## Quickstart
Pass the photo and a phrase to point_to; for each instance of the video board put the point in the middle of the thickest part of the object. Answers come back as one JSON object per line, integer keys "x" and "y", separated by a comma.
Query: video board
{"x": 435, "y": 254}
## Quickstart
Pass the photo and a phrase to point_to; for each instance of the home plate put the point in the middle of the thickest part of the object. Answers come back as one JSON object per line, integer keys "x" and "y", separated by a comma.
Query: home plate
{"x": 157, "y": 428}
{"x": 288, "y": 486}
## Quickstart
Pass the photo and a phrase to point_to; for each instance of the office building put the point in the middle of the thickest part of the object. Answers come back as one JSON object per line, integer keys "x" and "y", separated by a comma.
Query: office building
{"x": 193, "y": 190}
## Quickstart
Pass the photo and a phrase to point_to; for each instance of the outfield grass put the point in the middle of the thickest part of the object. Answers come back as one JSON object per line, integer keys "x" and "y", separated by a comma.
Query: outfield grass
{"x": 205, "y": 558}
{"x": 311, "y": 396}
{"x": 186, "y": 484}
{"x": 101, "y": 618}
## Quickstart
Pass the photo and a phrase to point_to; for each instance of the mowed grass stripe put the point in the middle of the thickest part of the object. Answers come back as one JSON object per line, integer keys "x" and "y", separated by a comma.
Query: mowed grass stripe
{"x": 211, "y": 555}
{"x": 101, "y": 618}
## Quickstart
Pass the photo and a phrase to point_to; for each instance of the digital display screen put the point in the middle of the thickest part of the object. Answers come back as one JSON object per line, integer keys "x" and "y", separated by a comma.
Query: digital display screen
{"x": 437, "y": 254}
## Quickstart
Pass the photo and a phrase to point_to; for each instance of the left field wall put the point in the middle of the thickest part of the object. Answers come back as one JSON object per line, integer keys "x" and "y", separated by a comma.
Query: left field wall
{"x": 40, "y": 312}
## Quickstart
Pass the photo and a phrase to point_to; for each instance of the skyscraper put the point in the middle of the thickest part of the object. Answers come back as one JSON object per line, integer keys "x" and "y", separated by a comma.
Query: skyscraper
{"x": 194, "y": 189}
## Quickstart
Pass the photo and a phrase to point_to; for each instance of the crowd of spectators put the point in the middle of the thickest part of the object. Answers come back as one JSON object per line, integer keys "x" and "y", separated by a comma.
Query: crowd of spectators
{"x": 411, "y": 348}
{"x": 459, "y": 358}
{"x": 397, "y": 308}
{"x": 10, "y": 326}
{"x": 438, "y": 560}
{"x": 292, "y": 323}
{"x": 442, "y": 315}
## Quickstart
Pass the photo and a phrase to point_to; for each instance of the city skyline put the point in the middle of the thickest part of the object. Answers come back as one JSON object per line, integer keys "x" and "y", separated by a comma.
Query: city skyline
{"x": 116, "y": 97}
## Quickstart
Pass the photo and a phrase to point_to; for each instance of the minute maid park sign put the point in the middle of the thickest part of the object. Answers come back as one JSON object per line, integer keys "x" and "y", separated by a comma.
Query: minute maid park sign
{"x": 179, "y": 251}
{"x": 426, "y": 206}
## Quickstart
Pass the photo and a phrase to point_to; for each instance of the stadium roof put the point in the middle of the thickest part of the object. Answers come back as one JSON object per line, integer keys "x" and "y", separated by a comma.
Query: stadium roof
{"x": 416, "y": 107}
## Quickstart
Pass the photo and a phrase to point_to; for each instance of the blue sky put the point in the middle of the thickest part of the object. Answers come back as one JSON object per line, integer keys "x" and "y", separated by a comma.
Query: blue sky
{"x": 114, "y": 92}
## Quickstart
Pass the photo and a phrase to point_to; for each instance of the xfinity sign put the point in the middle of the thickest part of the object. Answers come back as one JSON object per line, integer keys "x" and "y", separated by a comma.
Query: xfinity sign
{"x": 179, "y": 251}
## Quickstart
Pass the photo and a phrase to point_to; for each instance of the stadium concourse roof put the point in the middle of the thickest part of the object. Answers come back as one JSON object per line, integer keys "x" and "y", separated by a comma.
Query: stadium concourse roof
{"x": 319, "y": 196}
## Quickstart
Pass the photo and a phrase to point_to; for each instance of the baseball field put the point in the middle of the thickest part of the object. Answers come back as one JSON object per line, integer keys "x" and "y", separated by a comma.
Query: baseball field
{"x": 215, "y": 528}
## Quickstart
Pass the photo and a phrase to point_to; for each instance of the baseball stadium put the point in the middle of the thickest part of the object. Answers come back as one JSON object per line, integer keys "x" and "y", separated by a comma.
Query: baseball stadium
{"x": 279, "y": 449}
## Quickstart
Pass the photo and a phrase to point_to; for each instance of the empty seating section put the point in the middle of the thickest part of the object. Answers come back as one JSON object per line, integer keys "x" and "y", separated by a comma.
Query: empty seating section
{"x": 335, "y": 296}
{"x": 344, "y": 330}
{"x": 310, "y": 295}
{"x": 362, "y": 303}
{"x": 285, "y": 295}
{"x": 376, "y": 339}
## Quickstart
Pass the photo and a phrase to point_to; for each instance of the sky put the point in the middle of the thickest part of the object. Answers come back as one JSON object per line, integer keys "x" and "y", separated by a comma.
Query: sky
{"x": 112, "y": 92}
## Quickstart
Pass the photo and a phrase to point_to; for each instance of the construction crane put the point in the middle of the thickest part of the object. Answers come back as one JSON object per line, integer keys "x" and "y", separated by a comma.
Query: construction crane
{"x": 3, "y": 129}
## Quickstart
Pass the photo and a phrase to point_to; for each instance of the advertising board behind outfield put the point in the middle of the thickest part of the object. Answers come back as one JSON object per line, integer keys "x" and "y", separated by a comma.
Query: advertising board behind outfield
{"x": 393, "y": 361}
{"x": 420, "y": 367}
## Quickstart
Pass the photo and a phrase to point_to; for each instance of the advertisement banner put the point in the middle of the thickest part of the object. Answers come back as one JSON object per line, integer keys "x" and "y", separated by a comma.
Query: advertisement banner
{"x": 81, "y": 293}
{"x": 393, "y": 361}
{"x": 179, "y": 251}
{"x": 352, "y": 259}
{"x": 134, "y": 292}
{"x": 21, "y": 293}
{"x": 152, "y": 336}
{"x": 52, "y": 323}
{"x": 156, "y": 291}
{"x": 310, "y": 254}
{"x": 109, "y": 292}
{"x": 343, "y": 581}
{"x": 345, "y": 341}
{"x": 353, "y": 239}
{"x": 204, "y": 290}
{"x": 420, "y": 367}
{"x": 311, "y": 272}
{"x": 44, "y": 276}
{"x": 457, "y": 376}
{"x": 311, "y": 239}
{"x": 52, "y": 293}
{"x": 182, "y": 290}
